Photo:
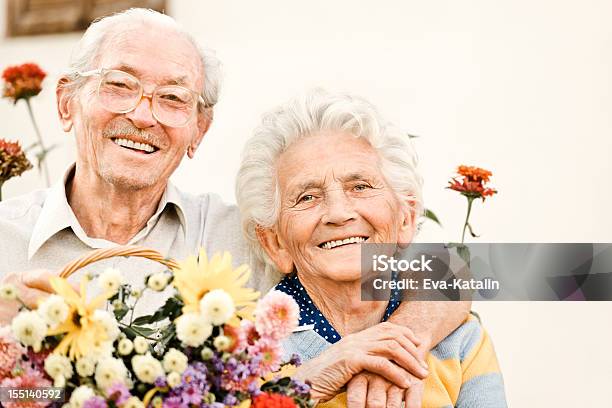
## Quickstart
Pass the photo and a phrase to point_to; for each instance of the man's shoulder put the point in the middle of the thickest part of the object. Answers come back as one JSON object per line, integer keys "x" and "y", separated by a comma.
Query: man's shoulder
{"x": 17, "y": 208}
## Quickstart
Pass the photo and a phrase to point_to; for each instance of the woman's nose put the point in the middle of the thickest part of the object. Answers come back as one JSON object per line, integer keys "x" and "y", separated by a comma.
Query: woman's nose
{"x": 339, "y": 208}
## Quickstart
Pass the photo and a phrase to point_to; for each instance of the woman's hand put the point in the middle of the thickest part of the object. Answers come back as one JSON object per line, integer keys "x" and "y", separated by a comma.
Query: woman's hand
{"x": 386, "y": 349}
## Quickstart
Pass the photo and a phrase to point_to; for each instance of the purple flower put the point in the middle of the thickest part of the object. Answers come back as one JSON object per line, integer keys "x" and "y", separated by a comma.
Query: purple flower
{"x": 173, "y": 402}
{"x": 118, "y": 392}
{"x": 230, "y": 400}
{"x": 95, "y": 402}
{"x": 296, "y": 360}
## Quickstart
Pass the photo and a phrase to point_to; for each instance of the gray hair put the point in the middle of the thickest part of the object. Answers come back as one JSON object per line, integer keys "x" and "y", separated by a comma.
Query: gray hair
{"x": 89, "y": 47}
{"x": 257, "y": 191}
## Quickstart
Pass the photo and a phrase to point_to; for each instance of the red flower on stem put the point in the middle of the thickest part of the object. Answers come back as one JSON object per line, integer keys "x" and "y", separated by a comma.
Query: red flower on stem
{"x": 267, "y": 400}
{"x": 472, "y": 185}
{"x": 473, "y": 182}
{"x": 22, "y": 81}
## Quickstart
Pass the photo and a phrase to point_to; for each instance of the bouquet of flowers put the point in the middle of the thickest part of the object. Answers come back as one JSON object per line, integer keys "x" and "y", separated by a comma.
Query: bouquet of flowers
{"x": 210, "y": 345}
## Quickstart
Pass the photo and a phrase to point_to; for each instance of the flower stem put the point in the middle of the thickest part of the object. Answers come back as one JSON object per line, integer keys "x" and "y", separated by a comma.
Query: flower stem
{"x": 42, "y": 163}
{"x": 467, "y": 218}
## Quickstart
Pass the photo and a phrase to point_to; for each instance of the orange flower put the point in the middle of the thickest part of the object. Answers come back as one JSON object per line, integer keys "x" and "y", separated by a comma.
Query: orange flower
{"x": 22, "y": 81}
{"x": 472, "y": 182}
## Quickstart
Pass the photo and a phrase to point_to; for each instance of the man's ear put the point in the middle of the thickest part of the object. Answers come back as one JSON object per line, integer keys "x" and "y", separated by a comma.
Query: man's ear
{"x": 64, "y": 110}
{"x": 204, "y": 121}
{"x": 408, "y": 222}
{"x": 268, "y": 239}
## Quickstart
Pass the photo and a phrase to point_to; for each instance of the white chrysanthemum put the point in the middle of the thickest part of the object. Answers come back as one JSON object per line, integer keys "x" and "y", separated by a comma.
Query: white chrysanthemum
{"x": 217, "y": 306}
{"x": 85, "y": 366}
{"x": 57, "y": 365}
{"x": 158, "y": 281}
{"x": 108, "y": 322}
{"x": 8, "y": 292}
{"x": 80, "y": 395}
{"x": 174, "y": 360}
{"x": 222, "y": 343}
{"x": 192, "y": 329}
{"x": 53, "y": 310}
{"x": 101, "y": 349}
{"x": 59, "y": 381}
{"x": 173, "y": 379}
{"x": 147, "y": 368}
{"x": 125, "y": 347}
{"x": 110, "y": 280}
{"x": 133, "y": 402}
{"x": 109, "y": 371}
{"x": 141, "y": 345}
{"x": 30, "y": 329}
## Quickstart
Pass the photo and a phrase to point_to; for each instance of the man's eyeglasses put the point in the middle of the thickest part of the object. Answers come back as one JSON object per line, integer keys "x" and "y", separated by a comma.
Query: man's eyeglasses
{"x": 120, "y": 92}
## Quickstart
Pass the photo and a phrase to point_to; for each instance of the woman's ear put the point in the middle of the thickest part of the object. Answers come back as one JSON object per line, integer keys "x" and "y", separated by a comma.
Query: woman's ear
{"x": 64, "y": 109}
{"x": 408, "y": 222}
{"x": 269, "y": 240}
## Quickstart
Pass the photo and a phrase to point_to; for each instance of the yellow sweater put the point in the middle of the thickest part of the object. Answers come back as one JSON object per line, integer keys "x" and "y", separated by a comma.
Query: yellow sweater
{"x": 463, "y": 372}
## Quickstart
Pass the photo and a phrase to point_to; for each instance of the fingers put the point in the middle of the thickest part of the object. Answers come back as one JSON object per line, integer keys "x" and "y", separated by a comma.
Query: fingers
{"x": 377, "y": 392}
{"x": 387, "y": 369}
{"x": 390, "y": 349}
{"x": 356, "y": 391}
{"x": 414, "y": 395}
{"x": 395, "y": 396}
{"x": 38, "y": 280}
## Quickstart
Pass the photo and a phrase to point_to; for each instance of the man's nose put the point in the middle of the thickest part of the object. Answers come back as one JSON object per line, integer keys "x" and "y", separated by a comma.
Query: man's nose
{"x": 142, "y": 115}
{"x": 339, "y": 208}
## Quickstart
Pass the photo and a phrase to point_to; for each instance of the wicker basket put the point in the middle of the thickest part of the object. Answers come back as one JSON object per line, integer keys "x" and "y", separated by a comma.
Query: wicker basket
{"x": 127, "y": 250}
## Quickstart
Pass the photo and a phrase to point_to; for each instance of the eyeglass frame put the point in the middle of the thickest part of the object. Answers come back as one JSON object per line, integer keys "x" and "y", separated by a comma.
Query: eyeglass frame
{"x": 104, "y": 71}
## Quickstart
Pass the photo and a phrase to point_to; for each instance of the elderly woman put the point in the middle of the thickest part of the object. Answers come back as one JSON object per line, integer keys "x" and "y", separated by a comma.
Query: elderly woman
{"x": 322, "y": 175}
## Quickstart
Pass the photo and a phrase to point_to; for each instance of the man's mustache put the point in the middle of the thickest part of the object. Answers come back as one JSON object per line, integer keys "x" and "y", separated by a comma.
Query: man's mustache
{"x": 124, "y": 128}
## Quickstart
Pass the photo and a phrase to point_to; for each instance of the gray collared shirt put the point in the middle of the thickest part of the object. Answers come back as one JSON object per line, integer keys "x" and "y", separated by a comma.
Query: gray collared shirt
{"x": 40, "y": 231}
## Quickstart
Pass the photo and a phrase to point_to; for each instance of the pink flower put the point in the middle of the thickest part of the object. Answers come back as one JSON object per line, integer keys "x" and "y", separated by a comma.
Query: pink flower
{"x": 237, "y": 338}
{"x": 10, "y": 352}
{"x": 28, "y": 379}
{"x": 250, "y": 333}
{"x": 276, "y": 315}
{"x": 269, "y": 352}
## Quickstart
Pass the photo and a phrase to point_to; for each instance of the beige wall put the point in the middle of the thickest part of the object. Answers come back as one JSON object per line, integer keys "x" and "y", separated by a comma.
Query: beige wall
{"x": 522, "y": 88}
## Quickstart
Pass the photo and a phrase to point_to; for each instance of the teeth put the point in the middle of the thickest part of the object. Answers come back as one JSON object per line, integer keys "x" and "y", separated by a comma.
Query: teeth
{"x": 135, "y": 145}
{"x": 351, "y": 240}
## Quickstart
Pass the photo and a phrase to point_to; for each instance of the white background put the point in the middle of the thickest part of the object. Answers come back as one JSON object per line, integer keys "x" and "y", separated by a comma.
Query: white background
{"x": 522, "y": 88}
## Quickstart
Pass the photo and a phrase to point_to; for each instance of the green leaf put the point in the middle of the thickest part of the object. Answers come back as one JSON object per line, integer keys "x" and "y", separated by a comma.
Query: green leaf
{"x": 143, "y": 320}
{"x": 471, "y": 231}
{"x": 40, "y": 156}
{"x": 432, "y": 216}
{"x": 464, "y": 252}
{"x": 121, "y": 312}
{"x": 412, "y": 136}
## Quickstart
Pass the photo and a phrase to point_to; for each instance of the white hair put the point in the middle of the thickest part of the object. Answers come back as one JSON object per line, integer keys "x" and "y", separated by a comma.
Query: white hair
{"x": 88, "y": 49}
{"x": 257, "y": 191}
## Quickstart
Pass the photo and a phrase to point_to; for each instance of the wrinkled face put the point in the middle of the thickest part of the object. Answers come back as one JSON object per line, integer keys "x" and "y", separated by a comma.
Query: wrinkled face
{"x": 156, "y": 57}
{"x": 333, "y": 197}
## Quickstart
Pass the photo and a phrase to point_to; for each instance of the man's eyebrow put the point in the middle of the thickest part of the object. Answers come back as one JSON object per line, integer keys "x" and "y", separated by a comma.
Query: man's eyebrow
{"x": 181, "y": 80}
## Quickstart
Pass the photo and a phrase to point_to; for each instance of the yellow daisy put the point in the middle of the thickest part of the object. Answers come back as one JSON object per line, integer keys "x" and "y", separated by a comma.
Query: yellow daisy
{"x": 195, "y": 277}
{"x": 82, "y": 333}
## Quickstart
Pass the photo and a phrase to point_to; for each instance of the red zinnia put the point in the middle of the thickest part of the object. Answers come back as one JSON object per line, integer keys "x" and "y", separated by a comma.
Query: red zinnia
{"x": 22, "y": 81}
{"x": 267, "y": 400}
{"x": 472, "y": 182}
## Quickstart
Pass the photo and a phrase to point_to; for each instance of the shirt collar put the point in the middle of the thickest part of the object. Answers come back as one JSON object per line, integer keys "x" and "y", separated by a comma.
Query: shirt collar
{"x": 56, "y": 215}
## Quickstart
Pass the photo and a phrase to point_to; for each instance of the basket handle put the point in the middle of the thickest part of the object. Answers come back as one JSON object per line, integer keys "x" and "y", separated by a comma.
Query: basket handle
{"x": 126, "y": 250}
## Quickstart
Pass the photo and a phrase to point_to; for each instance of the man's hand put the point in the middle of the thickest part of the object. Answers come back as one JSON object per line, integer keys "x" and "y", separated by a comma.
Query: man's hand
{"x": 367, "y": 390}
{"x": 386, "y": 349}
{"x": 31, "y": 286}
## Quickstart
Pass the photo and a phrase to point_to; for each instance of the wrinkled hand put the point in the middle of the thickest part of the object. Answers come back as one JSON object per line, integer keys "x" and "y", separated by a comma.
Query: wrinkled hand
{"x": 367, "y": 390}
{"x": 386, "y": 349}
{"x": 32, "y": 286}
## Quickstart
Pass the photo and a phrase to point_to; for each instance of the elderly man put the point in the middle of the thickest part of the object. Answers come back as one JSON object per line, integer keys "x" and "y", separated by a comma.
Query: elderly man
{"x": 138, "y": 96}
